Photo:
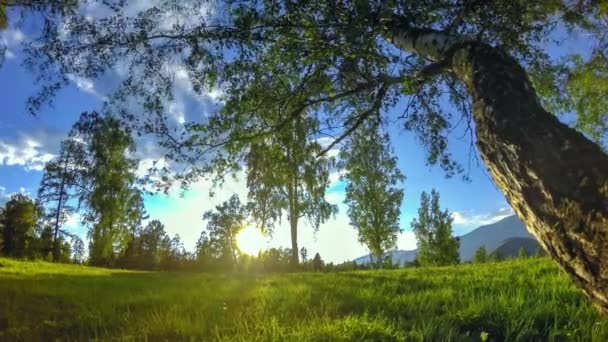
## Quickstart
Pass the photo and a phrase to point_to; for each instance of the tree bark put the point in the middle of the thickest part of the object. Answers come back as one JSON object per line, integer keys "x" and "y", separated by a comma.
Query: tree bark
{"x": 59, "y": 207}
{"x": 293, "y": 223}
{"x": 555, "y": 179}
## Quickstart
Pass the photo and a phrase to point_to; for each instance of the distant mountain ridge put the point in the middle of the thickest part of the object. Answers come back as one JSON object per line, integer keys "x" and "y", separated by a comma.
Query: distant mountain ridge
{"x": 510, "y": 247}
{"x": 492, "y": 236}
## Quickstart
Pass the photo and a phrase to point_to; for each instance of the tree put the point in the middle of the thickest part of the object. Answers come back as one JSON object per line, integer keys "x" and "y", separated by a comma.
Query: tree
{"x": 522, "y": 253}
{"x": 61, "y": 183}
{"x": 372, "y": 195}
{"x": 284, "y": 174}
{"x": 317, "y": 262}
{"x": 18, "y": 220}
{"x": 152, "y": 239}
{"x": 114, "y": 206}
{"x": 433, "y": 229}
{"x": 78, "y": 249}
{"x": 494, "y": 53}
{"x": 481, "y": 256}
{"x": 277, "y": 260}
{"x": 496, "y": 256}
{"x": 177, "y": 254}
{"x": 21, "y": 8}
{"x": 204, "y": 255}
{"x": 303, "y": 254}
{"x": 223, "y": 225}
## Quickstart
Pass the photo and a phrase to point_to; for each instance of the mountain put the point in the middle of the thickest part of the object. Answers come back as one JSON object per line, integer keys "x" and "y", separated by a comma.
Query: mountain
{"x": 398, "y": 256}
{"x": 491, "y": 236}
{"x": 510, "y": 247}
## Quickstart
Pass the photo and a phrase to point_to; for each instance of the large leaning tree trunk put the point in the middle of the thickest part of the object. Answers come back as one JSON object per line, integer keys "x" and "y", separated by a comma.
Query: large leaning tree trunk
{"x": 555, "y": 179}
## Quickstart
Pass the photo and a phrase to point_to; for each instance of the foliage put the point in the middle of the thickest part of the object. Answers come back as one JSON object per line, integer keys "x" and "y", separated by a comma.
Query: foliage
{"x": 481, "y": 256}
{"x": 303, "y": 254}
{"x": 317, "y": 262}
{"x": 374, "y": 201}
{"x": 223, "y": 225}
{"x": 508, "y": 300}
{"x": 285, "y": 175}
{"x": 332, "y": 61}
{"x": 78, "y": 250}
{"x": 522, "y": 253}
{"x": 61, "y": 184}
{"x": 496, "y": 257}
{"x": 433, "y": 229}
{"x": 17, "y": 222}
{"x": 114, "y": 206}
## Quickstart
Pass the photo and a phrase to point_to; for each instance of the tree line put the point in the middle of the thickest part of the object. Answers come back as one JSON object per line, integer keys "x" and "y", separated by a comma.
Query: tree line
{"x": 93, "y": 177}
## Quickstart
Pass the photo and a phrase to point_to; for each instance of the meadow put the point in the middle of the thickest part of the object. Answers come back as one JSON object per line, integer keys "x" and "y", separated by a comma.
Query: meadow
{"x": 526, "y": 299}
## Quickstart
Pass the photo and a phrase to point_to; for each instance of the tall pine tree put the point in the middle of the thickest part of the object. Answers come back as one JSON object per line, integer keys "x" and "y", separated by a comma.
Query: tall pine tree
{"x": 61, "y": 186}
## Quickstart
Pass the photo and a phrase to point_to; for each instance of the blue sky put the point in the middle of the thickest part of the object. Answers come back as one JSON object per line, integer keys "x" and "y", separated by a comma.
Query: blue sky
{"x": 27, "y": 142}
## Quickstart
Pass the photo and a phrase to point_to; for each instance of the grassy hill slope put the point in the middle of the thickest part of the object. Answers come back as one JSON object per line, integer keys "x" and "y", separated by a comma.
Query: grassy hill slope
{"x": 515, "y": 300}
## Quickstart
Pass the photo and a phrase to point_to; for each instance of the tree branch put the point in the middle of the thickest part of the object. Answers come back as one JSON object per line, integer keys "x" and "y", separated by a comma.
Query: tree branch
{"x": 359, "y": 120}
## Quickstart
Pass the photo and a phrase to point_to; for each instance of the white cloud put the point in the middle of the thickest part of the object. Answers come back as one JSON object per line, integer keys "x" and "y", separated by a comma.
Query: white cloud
{"x": 334, "y": 177}
{"x": 146, "y": 164}
{"x": 86, "y": 85}
{"x": 325, "y": 141}
{"x": 472, "y": 219}
{"x": 10, "y": 39}
{"x": 406, "y": 241}
{"x": 26, "y": 152}
{"x": 334, "y": 197}
{"x": 4, "y": 195}
{"x": 8, "y": 54}
{"x": 73, "y": 221}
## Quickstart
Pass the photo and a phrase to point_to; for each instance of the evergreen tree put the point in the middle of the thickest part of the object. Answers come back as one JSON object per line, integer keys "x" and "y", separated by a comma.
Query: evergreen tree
{"x": 177, "y": 254}
{"x": 348, "y": 61}
{"x": 481, "y": 256}
{"x": 303, "y": 254}
{"x": 204, "y": 255}
{"x": 60, "y": 184}
{"x": 522, "y": 253}
{"x": 152, "y": 240}
{"x": 496, "y": 257}
{"x": 18, "y": 220}
{"x": 317, "y": 262}
{"x": 433, "y": 229}
{"x": 372, "y": 195}
{"x": 78, "y": 249}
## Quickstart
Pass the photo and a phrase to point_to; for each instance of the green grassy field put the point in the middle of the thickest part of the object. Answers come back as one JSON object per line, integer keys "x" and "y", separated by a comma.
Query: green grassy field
{"x": 515, "y": 300}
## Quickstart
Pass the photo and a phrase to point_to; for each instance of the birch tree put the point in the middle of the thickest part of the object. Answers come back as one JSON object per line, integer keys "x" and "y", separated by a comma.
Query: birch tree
{"x": 372, "y": 189}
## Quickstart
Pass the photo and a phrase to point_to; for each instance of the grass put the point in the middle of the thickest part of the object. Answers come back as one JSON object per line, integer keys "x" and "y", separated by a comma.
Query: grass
{"x": 525, "y": 300}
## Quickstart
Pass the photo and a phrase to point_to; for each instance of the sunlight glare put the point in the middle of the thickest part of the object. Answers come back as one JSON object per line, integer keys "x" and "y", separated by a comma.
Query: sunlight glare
{"x": 251, "y": 240}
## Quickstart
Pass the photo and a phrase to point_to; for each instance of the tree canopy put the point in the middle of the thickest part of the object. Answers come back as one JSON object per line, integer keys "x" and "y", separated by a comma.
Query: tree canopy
{"x": 342, "y": 63}
{"x": 372, "y": 189}
{"x": 433, "y": 229}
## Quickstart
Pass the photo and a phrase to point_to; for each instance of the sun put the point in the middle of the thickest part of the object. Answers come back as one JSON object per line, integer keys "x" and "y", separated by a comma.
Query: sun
{"x": 250, "y": 240}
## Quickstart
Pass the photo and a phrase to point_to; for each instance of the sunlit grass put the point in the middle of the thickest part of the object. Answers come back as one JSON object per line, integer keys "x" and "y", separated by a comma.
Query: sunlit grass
{"x": 516, "y": 300}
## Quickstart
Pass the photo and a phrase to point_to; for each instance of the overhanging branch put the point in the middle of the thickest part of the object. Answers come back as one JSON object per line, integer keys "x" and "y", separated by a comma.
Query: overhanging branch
{"x": 359, "y": 120}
